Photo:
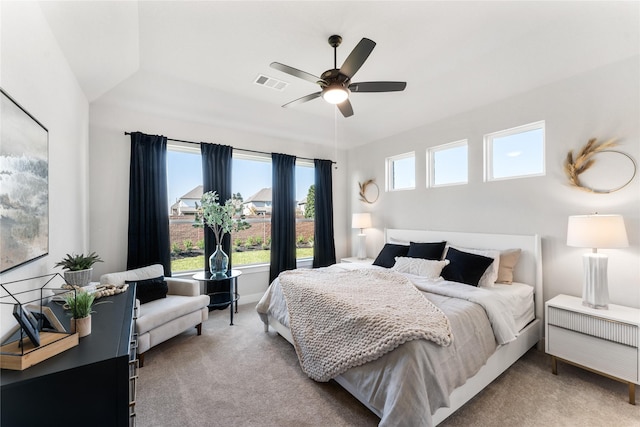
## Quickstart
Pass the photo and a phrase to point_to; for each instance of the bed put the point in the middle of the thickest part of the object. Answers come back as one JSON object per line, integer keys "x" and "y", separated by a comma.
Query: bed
{"x": 446, "y": 377}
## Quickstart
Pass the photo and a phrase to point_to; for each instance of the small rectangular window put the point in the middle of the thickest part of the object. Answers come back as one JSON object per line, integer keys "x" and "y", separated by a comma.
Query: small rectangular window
{"x": 448, "y": 164}
{"x": 401, "y": 172}
{"x": 515, "y": 153}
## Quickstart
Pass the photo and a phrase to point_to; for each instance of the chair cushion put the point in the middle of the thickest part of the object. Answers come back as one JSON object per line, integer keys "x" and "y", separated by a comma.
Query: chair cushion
{"x": 149, "y": 272}
{"x": 161, "y": 311}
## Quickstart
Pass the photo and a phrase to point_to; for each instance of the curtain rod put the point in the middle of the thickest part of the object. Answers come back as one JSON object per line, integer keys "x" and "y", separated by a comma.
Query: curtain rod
{"x": 239, "y": 149}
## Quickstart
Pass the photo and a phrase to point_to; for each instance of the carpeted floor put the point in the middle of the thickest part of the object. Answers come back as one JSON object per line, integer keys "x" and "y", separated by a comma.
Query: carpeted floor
{"x": 241, "y": 376}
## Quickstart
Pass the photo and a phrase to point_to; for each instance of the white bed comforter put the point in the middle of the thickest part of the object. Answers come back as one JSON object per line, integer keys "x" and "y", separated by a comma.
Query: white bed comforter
{"x": 496, "y": 307}
{"x": 405, "y": 386}
{"x": 356, "y": 316}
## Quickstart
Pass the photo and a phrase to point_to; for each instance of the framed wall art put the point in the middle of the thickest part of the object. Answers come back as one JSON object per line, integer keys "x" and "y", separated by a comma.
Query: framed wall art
{"x": 24, "y": 186}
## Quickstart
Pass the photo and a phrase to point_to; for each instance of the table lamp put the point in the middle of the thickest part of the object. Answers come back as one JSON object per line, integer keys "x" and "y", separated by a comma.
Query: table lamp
{"x": 361, "y": 221}
{"x": 596, "y": 231}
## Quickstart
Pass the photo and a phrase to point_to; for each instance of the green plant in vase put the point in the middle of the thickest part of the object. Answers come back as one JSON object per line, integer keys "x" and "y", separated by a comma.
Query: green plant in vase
{"x": 76, "y": 262}
{"x": 220, "y": 219}
{"x": 78, "y": 268}
{"x": 80, "y": 303}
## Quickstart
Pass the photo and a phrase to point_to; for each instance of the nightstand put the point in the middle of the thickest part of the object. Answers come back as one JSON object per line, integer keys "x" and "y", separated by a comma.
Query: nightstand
{"x": 606, "y": 342}
{"x": 356, "y": 260}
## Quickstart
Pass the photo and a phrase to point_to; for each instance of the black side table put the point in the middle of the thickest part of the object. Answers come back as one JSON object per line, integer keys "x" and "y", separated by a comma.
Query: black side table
{"x": 221, "y": 297}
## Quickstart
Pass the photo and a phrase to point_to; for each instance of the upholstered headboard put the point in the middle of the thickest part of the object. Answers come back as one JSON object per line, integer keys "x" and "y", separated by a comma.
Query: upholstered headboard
{"x": 528, "y": 270}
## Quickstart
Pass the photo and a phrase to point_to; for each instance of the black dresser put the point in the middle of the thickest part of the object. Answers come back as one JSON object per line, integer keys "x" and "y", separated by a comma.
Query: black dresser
{"x": 90, "y": 384}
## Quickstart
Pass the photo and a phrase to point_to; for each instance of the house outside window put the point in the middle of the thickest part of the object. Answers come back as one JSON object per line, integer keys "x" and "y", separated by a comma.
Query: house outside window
{"x": 515, "y": 153}
{"x": 251, "y": 193}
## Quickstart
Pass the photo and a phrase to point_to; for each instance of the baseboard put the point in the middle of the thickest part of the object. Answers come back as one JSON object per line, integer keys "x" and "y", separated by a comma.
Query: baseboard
{"x": 250, "y": 299}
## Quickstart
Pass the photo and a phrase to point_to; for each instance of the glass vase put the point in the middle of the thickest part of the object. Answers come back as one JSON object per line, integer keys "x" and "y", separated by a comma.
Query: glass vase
{"x": 218, "y": 262}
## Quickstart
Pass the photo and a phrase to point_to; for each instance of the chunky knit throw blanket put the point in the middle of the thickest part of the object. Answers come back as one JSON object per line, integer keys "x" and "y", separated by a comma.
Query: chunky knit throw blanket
{"x": 343, "y": 319}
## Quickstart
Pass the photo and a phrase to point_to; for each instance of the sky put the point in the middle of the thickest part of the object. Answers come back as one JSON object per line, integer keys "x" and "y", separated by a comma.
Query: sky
{"x": 516, "y": 154}
{"x": 184, "y": 172}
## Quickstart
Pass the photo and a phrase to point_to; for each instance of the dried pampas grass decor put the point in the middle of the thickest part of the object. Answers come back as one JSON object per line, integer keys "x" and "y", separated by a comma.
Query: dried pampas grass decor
{"x": 573, "y": 167}
{"x": 369, "y": 196}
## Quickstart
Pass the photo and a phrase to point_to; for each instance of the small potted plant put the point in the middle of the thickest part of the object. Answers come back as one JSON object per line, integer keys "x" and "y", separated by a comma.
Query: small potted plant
{"x": 79, "y": 304}
{"x": 78, "y": 268}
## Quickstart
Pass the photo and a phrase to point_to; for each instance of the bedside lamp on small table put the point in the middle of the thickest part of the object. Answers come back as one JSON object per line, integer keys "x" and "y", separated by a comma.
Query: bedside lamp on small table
{"x": 596, "y": 231}
{"x": 361, "y": 221}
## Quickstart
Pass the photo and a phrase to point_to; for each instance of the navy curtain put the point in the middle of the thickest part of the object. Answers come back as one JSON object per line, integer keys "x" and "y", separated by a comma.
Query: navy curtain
{"x": 283, "y": 215}
{"x": 148, "y": 203}
{"x": 324, "y": 248}
{"x": 216, "y": 176}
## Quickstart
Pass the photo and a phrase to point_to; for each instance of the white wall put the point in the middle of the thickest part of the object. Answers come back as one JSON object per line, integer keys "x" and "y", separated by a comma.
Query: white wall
{"x": 35, "y": 73}
{"x": 602, "y": 103}
{"x": 109, "y": 169}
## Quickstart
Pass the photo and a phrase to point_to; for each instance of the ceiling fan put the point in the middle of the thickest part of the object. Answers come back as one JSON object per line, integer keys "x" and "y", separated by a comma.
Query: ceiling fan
{"x": 336, "y": 83}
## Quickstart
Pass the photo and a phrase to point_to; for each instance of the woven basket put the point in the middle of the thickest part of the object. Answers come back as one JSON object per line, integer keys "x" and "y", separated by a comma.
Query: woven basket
{"x": 78, "y": 278}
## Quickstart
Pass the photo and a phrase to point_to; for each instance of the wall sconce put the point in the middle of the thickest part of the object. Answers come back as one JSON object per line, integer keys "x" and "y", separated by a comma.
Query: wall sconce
{"x": 361, "y": 221}
{"x": 596, "y": 231}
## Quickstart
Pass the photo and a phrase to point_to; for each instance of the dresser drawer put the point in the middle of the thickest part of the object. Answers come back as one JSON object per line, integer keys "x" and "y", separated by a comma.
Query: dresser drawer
{"x": 612, "y": 358}
{"x": 610, "y": 330}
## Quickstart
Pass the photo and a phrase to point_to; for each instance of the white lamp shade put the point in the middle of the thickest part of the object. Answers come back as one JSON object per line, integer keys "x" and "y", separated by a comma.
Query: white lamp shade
{"x": 597, "y": 231}
{"x": 361, "y": 220}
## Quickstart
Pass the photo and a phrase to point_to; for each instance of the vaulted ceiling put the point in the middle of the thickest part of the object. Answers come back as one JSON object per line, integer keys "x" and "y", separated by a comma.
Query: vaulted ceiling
{"x": 198, "y": 61}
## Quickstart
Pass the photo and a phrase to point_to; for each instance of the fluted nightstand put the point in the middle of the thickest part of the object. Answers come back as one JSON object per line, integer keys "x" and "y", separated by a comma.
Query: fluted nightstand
{"x": 606, "y": 342}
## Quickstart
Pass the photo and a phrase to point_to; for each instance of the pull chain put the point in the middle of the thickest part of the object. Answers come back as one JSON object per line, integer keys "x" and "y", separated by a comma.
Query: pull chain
{"x": 335, "y": 134}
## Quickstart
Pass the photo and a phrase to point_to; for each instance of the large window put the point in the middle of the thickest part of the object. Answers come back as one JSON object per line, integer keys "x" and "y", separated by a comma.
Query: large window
{"x": 515, "y": 153}
{"x": 251, "y": 191}
{"x": 184, "y": 184}
{"x": 251, "y": 186}
{"x": 305, "y": 208}
{"x": 448, "y": 164}
{"x": 401, "y": 172}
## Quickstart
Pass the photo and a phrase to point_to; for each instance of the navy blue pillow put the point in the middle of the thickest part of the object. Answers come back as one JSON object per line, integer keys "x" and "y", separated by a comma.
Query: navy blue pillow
{"x": 431, "y": 251}
{"x": 387, "y": 256}
{"x": 465, "y": 267}
{"x": 150, "y": 289}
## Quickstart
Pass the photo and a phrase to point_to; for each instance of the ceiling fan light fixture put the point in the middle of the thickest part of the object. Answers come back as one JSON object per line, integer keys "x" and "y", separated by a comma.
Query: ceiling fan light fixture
{"x": 335, "y": 94}
{"x": 335, "y": 83}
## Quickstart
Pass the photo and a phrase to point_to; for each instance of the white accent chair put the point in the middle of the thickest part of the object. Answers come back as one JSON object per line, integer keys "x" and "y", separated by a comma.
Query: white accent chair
{"x": 164, "y": 318}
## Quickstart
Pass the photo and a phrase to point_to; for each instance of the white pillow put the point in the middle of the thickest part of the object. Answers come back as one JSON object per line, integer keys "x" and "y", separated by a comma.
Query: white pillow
{"x": 428, "y": 268}
{"x": 490, "y": 275}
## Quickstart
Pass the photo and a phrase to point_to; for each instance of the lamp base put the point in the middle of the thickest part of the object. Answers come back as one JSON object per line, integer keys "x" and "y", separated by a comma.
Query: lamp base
{"x": 362, "y": 247}
{"x": 595, "y": 290}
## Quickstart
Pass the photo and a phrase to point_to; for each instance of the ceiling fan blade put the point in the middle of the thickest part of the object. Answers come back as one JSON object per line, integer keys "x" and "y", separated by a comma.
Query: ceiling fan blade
{"x": 303, "y": 99}
{"x": 356, "y": 58}
{"x": 296, "y": 73}
{"x": 377, "y": 86}
{"x": 345, "y": 108}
